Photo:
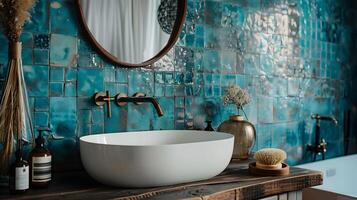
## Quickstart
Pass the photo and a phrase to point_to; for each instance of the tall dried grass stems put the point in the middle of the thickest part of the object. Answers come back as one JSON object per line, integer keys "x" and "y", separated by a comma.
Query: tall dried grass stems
{"x": 14, "y": 112}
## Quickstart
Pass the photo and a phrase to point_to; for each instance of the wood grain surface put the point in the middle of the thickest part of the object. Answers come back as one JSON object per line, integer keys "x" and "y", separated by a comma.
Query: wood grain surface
{"x": 234, "y": 183}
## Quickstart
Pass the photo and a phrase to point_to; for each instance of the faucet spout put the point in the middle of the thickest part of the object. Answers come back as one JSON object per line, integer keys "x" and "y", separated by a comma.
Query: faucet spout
{"x": 141, "y": 98}
{"x": 157, "y": 107}
{"x": 326, "y": 118}
{"x": 320, "y": 146}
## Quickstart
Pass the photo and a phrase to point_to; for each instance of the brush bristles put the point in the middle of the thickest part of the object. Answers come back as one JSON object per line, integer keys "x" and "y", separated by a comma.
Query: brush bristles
{"x": 270, "y": 156}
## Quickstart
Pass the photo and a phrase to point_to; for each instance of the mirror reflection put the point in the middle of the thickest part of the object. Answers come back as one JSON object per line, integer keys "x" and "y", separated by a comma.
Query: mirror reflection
{"x": 133, "y": 31}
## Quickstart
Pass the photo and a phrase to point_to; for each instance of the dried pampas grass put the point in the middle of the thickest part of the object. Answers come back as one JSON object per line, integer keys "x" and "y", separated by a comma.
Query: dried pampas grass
{"x": 15, "y": 118}
{"x": 13, "y": 14}
{"x": 10, "y": 113}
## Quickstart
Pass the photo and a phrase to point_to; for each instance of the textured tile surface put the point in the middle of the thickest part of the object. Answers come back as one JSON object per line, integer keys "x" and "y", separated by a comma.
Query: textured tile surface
{"x": 294, "y": 57}
{"x": 63, "y": 50}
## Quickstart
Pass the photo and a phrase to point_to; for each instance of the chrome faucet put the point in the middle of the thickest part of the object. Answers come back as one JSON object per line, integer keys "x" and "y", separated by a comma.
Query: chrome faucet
{"x": 320, "y": 146}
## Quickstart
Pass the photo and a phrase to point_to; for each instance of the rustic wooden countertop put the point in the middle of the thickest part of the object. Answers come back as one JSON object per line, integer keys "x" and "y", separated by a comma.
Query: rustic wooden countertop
{"x": 237, "y": 184}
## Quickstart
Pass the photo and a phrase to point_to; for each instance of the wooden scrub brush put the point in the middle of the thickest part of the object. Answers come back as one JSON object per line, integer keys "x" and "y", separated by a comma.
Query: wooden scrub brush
{"x": 269, "y": 162}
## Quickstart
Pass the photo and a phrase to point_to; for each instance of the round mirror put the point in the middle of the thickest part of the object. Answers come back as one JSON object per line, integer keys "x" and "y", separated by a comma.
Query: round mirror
{"x": 133, "y": 33}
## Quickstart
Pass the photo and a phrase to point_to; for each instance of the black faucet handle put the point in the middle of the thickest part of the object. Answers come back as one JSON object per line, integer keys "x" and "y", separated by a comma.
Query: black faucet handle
{"x": 44, "y": 129}
{"x": 118, "y": 99}
{"x": 323, "y": 145}
{"x": 139, "y": 95}
{"x": 318, "y": 117}
{"x": 101, "y": 98}
{"x": 315, "y": 116}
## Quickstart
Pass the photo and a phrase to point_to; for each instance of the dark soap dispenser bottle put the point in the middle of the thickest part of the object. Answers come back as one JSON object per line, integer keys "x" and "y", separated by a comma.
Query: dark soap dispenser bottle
{"x": 40, "y": 160}
{"x": 19, "y": 174}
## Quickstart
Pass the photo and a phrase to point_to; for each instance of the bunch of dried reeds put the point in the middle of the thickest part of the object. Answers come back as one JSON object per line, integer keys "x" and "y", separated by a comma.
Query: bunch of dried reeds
{"x": 14, "y": 110}
{"x": 13, "y": 14}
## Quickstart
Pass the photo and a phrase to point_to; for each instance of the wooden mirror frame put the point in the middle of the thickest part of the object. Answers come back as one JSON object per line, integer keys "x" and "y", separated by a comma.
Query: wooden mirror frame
{"x": 180, "y": 19}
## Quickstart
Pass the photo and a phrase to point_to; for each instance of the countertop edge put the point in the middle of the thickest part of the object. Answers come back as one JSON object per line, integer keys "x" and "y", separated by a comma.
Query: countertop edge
{"x": 269, "y": 188}
{"x": 255, "y": 188}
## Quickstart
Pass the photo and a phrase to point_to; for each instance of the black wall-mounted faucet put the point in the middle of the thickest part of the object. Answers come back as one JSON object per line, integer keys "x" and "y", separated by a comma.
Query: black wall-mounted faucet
{"x": 139, "y": 98}
{"x": 122, "y": 99}
{"x": 320, "y": 146}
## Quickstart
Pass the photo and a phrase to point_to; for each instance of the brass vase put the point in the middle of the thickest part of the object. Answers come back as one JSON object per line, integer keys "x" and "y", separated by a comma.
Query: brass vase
{"x": 244, "y": 135}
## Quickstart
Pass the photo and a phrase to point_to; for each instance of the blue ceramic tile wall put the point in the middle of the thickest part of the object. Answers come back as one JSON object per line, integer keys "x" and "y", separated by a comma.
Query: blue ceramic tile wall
{"x": 294, "y": 57}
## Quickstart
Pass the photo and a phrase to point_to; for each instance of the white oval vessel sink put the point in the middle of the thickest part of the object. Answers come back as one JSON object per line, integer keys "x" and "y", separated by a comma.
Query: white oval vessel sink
{"x": 155, "y": 158}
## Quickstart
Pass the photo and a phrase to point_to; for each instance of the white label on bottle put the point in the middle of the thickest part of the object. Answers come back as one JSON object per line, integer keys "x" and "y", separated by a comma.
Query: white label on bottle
{"x": 41, "y": 169}
{"x": 22, "y": 178}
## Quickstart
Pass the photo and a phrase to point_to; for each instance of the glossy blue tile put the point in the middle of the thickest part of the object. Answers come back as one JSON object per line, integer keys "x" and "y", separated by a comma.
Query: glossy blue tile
{"x": 70, "y": 89}
{"x": 85, "y": 102}
{"x": 281, "y": 110}
{"x": 41, "y": 119}
{"x": 122, "y": 88}
{"x": 121, "y": 75}
{"x": 141, "y": 81}
{"x": 252, "y": 64}
{"x": 64, "y": 12}
{"x": 169, "y": 78}
{"x": 214, "y": 12}
{"x": 56, "y": 89}
{"x": 90, "y": 81}
{"x": 293, "y": 59}
{"x": 97, "y": 128}
{"x": 3, "y": 72}
{"x": 212, "y": 61}
{"x": 293, "y": 86}
{"x": 84, "y": 129}
{"x": 63, "y": 116}
{"x": 57, "y": 74}
{"x": 159, "y": 90}
{"x": 136, "y": 112}
{"x": 111, "y": 87}
{"x": 264, "y": 135}
{"x": 63, "y": 50}
{"x": 251, "y": 110}
{"x": 265, "y": 109}
{"x": 159, "y": 78}
{"x": 85, "y": 116}
{"x": 27, "y": 56}
{"x": 42, "y": 41}
{"x": 84, "y": 59}
{"x": 118, "y": 121}
{"x": 241, "y": 81}
{"x": 41, "y": 57}
{"x": 229, "y": 62}
{"x": 36, "y": 78}
{"x": 39, "y": 22}
{"x": 27, "y": 39}
{"x": 109, "y": 74}
{"x": 42, "y": 104}
{"x": 97, "y": 116}
{"x": 179, "y": 78}
{"x": 71, "y": 74}
{"x": 3, "y": 49}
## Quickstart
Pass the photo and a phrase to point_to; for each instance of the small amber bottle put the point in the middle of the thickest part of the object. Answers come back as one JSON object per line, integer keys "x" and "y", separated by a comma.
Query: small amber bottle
{"x": 40, "y": 160}
{"x": 19, "y": 174}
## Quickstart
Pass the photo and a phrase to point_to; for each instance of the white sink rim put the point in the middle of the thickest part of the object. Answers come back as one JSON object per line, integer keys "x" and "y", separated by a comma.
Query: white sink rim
{"x": 210, "y": 134}
{"x": 150, "y": 164}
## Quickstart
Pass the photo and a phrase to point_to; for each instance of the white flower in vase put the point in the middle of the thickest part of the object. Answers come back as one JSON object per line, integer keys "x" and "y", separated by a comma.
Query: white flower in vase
{"x": 236, "y": 96}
